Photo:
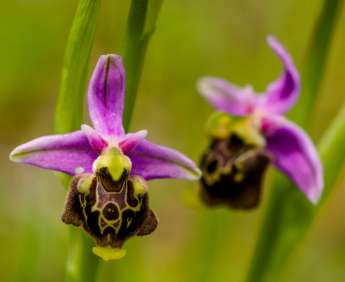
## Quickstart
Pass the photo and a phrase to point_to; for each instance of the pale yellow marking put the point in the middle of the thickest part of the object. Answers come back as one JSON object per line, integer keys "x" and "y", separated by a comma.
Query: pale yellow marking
{"x": 83, "y": 203}
{"x": 238, "y": 177}
{"x": 84, "y": 184}
{"x": 108, "y": 253}
{"x": 215, "y": 176}
{"x": 115, "y": 161}
{"x": 140, "y": 188}
{"x": 221, "y": 125}
{"x": 109, "y": 223}
{"x": 247, "y": 130}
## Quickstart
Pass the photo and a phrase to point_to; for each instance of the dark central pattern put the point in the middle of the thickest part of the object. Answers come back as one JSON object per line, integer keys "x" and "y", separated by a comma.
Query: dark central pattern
{"x": 110, "y": 211}
{"x": 232, "y": 173}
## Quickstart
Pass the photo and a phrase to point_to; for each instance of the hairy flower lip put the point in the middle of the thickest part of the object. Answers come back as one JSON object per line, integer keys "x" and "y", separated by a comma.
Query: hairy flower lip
{"x": 233, "y": 172}
{"x": 110, "y": 212}
{"x": 291, "y": 148}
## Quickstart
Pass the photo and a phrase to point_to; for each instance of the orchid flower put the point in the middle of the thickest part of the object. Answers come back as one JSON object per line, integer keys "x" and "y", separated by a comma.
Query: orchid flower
{"x": 108, "y": 194}
{"x": 242, "y": 147}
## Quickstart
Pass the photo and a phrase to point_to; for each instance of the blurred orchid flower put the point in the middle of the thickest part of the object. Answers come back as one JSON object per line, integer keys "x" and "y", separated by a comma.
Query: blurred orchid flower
{"x": 242, "y": 147}
{"x": 108, "y": 194}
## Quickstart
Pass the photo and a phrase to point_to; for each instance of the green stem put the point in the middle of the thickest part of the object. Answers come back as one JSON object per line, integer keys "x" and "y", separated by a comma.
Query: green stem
{"x": 332, "y": 151}
{"x": 288, "y": 214}
{"x": 141, "y": 24}
{"x": 81, "y": 263}
{"x": 202, "y": 263}
{"x": 69, "y": 110}
{"x": 315, "y": 61}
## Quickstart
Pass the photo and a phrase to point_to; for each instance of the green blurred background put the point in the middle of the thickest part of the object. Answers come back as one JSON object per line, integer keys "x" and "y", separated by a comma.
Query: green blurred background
{"x": 197, "y": 37}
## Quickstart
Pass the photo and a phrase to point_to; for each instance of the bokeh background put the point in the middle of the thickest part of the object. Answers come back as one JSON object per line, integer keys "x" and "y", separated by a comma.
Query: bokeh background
{"x": 193, "y": 38}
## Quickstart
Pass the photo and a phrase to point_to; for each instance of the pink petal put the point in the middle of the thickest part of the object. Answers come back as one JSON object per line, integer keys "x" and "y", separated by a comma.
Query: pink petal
{"x": 95, "y": 139}
{"x": 131, "y": 140}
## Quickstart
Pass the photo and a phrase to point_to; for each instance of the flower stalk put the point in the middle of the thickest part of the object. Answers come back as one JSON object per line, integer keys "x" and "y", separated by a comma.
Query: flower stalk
{"x": 69, "y": 110}
{"x": 288, "y": 215}
{"x": 81, "y": 263}
{"x": 141, "y": 24}
{"x": 332, "y": 152}
{"x": 315, "y": 61}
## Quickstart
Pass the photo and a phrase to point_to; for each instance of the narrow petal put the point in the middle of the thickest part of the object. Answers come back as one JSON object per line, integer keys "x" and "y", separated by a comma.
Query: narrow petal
{"x": 294, "y": 153}
{"x": 227, "y": 97}
{"x": 152, "y": 161}
{"x": 95, "y": 139}
{"x": 282, "y": 94}
{"x": 131, "y": 140}
{"x": 70, "y": 153}
{"x": 106, "y": 95}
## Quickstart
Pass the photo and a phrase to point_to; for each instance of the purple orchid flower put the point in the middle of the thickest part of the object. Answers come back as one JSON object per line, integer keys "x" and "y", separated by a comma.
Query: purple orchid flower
{"x": 108, "y": 193}
{"x": 283, "y": 142}
{"x": 75, "y": 152}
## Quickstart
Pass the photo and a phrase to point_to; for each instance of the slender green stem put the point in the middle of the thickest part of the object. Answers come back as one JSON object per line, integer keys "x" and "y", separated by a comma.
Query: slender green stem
{"x": 202, "y": 262}
{"x": 288, "y": 214}
{"x": 332, "y": 151}
{"x": 141, "y": 24}
{"x": 81, "y": 263}
{"x": 315, "y": 61}
{"x": 69, "y": 110}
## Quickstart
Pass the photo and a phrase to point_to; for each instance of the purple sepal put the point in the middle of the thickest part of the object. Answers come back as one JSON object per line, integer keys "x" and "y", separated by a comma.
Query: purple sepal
{"x": 106, "y": 95}
{"x": 294, "y": 153}
{"x": 227, "y": 97}
{"x": 152, "y": 161}
{"x": 282, "y": 94}
{"x": 69, "y": 153}
{"x": 279, "y": 97}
